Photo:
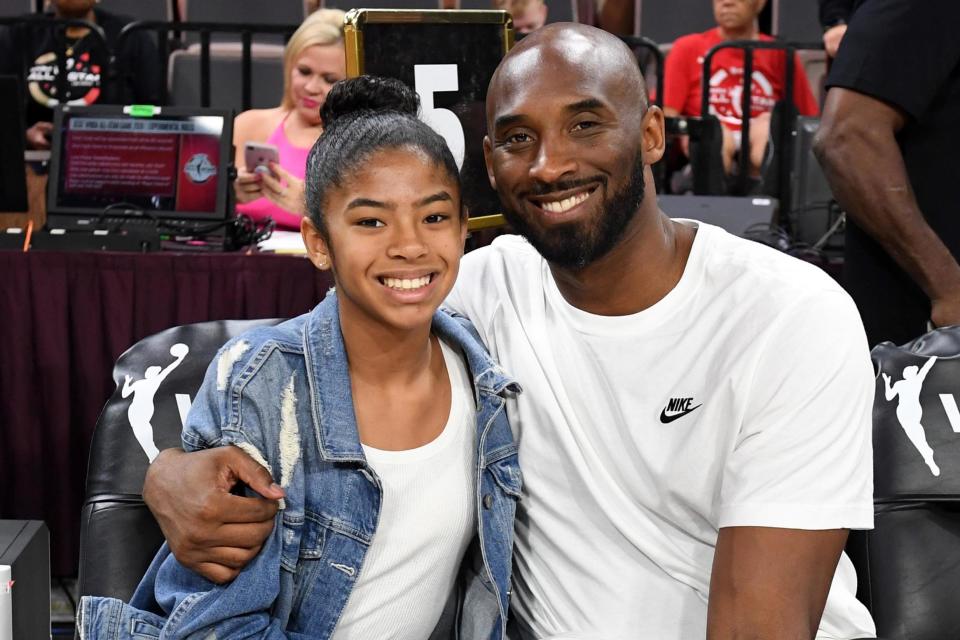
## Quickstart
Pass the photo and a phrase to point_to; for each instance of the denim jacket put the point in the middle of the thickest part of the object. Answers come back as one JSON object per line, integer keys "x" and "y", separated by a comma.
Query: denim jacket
{"x": 306, "y": 435}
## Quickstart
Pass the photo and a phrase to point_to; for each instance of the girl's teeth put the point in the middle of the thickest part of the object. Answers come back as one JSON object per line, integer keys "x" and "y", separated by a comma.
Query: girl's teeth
{"x": 407, "y": 283}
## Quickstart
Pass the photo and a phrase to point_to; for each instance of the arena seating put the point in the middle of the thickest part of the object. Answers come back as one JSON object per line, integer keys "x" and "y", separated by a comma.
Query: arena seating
{"x": 161, "y": 10}
{"x": 796, "y": 21}
{"x": 909, "y": 563}
{"x": 814, "y": 63}
{"x": 226, "y": 67}
{"x": 118, "y": 535}
{"x": 346, "y": 5}
{"x": 559, "y": 10}
{"x": 10, "y": 8}
{"x": 662, "y": 21}
{"x": 250, "y": 12}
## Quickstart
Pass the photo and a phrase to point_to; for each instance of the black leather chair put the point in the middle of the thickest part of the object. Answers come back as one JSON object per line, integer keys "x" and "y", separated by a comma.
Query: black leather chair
{"x": 909, "y": 565}
{"x": 118, "y": 535}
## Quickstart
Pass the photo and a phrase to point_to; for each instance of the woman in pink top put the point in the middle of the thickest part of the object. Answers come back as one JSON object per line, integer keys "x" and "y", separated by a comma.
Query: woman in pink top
{"x": 313, "y": 61}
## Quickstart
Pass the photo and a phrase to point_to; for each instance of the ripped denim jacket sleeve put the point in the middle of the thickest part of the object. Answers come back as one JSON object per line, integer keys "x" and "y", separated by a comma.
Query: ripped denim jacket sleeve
{"x": 173, "y": 602}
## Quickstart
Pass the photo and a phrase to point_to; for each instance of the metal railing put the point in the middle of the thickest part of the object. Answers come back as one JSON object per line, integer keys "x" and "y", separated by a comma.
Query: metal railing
{"x": 168, "y": 34}
{"x": 642, "y": 43}
{"x": 783, "y": 143}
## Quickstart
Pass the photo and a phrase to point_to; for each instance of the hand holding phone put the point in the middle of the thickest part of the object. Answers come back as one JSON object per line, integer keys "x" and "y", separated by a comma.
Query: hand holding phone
{"x": 257, "y": 156}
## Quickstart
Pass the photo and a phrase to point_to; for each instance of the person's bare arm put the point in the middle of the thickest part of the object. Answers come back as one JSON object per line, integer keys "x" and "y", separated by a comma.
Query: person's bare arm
{"x": 37, "y": 135}
{"x": 771, "y": 583}
{"x": 857, "y": 148}
{"x": 210, "y": 530}
{"x": 615, "y": 16}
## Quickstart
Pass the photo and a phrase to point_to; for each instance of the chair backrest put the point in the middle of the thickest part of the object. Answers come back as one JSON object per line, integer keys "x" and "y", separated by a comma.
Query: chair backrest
{"x": 12, "y": 8}
{"x": 557, "y": 10}
{"x": 253, "y": 12}
{"x": 666, "y": 20}
{"x": 118, "y": 535}
{"x": 814, "y": 63}
{"x": 561, "y": 11}
{"x": 346, "y": 5}
{"x": 795, "y": 21}
{"x": 226, "y": 68}
{"x": 909, "y": 564}
{"x": 158, "y": 10}
{"x": 706, "y": 157}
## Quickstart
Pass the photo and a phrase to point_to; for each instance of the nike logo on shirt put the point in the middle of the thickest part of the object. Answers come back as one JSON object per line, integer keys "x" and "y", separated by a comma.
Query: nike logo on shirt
{"x": 676, "y": 409}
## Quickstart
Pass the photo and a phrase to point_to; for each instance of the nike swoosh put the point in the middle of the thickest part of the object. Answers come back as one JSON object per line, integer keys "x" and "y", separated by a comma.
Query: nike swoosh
{"x": 665, "y": 419}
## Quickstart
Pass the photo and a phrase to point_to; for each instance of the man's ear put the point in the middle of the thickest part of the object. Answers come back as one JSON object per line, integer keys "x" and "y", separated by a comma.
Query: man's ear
{"x": 317, "y": 248}
{"x": 488, "y": 159}
{"x": 653, "y": 135}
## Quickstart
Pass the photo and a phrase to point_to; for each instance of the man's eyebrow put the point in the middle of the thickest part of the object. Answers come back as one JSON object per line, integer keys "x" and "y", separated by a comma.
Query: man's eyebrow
{"x": 507, "y": 120}
{"x": 440, "y": 196}
{"x": 581, "y": 105}
{"x": 368, "y": 202}
{"x": 585, "y": 105}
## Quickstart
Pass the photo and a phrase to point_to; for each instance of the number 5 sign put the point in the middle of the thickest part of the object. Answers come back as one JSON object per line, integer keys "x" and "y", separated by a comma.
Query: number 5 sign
{"x": 429, "y": 79}
{"x": 448, "y": 58}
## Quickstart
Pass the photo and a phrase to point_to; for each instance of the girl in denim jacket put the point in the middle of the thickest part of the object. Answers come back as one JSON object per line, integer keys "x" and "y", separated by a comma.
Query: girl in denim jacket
{"x": 380, "y": 417}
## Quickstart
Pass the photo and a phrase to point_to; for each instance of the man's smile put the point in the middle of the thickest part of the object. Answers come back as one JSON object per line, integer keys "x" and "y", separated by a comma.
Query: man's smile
{"x": 562, "y": 203}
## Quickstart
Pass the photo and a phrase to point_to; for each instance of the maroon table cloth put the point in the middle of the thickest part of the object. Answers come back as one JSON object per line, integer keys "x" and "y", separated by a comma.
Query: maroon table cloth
{"x": 64, "y": 320}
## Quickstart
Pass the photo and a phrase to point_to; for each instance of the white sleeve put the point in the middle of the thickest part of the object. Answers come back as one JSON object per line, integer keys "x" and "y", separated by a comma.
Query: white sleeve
{"x": 804, "y": 457}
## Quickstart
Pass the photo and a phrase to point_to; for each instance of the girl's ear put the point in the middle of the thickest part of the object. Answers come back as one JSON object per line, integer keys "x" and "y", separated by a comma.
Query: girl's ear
{"x": 317, "y": 248}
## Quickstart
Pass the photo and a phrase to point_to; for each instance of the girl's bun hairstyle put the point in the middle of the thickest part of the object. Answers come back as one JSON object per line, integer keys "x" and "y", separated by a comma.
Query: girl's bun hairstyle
{"x": 366, "y": 95}
{"x": 362, "y": 116}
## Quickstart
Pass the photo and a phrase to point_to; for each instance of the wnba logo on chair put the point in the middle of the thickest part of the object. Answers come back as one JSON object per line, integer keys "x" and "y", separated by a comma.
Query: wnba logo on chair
{"x": 144, "y": 391}
{"x": 909, "y": 412}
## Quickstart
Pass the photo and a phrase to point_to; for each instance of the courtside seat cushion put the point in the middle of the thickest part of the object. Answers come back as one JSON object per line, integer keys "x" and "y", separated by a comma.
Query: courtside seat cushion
{"x": 908, "y": 570}
{"x": 159, "y": 391}
{"x": 916, "y": 433}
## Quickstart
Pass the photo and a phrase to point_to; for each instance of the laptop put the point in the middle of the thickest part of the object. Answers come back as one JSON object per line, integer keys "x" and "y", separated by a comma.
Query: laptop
{"x": 120, "y": 167}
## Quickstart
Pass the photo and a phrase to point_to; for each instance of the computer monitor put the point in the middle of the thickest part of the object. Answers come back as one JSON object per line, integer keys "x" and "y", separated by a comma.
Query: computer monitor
{"x": 120, "y": 163}
{"x": 13, "y": 176}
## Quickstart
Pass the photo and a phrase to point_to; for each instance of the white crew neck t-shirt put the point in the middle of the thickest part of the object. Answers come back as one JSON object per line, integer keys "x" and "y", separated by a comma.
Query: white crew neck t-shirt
{"x": 427, "y": 520}
{"x": 743, "y": 397}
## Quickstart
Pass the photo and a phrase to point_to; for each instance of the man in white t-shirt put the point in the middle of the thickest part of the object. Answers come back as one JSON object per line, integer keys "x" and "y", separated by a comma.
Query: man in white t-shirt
{"x": 695, "y": 427}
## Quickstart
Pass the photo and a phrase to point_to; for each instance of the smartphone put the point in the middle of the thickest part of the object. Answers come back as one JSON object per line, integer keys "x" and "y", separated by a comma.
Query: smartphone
{"x": 257, "y": 156}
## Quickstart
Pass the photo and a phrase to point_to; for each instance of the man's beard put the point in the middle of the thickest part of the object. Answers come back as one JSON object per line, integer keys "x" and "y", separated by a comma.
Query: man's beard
{"x": 576, "y": 245}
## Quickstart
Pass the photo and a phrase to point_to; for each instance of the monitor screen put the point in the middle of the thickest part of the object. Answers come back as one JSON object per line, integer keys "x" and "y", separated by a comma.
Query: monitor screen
{"x": 171, "y": 164}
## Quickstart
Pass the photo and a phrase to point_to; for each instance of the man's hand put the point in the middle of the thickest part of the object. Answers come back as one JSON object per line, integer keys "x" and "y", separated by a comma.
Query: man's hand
{"x": 38, "y": 136}
{"x": 832, "y": 38}
{"x": 210, "y": 530}
{"x": 771, "y": 583}
{"x": 945, "y": 312}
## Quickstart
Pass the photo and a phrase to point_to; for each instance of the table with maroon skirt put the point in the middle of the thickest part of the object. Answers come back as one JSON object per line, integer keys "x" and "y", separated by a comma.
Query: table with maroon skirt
{"x": 64, "y": 320}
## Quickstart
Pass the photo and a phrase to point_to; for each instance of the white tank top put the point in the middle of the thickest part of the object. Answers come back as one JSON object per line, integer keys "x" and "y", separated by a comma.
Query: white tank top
{"x": 427, "y": 520}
